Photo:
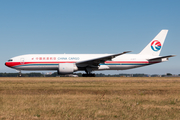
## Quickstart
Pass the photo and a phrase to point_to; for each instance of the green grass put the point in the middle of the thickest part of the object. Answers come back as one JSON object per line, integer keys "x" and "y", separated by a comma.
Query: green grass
{"x": 90, "y": 98}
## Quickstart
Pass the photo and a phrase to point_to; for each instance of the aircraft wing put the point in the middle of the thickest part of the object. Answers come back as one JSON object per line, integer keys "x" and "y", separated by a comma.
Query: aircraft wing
{"x": 97, "y": 61}
{"x": 157, "y": 58}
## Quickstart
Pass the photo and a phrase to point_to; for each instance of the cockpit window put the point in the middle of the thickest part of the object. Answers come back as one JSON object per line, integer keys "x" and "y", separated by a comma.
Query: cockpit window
{"x": 10, "y": 60}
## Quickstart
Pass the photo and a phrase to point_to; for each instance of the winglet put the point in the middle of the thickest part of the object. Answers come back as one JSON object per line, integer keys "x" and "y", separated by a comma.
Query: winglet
{"x": 113, "y": 56}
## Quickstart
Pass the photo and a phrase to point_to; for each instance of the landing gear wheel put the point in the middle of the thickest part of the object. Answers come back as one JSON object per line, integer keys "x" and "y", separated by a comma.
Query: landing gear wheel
{"x": 89, "y": 75}
{"x": 19, "y": 75}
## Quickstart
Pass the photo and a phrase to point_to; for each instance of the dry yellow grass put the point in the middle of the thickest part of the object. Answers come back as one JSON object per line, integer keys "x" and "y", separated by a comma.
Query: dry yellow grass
{"x": 90, "y": 98}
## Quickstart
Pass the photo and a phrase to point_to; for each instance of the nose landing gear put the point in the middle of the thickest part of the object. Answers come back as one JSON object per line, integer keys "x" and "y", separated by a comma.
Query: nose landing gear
{"x": 20, "y": 75}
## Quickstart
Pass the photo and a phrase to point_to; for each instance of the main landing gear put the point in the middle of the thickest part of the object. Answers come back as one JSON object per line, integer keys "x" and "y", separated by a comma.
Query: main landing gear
{"x": 88, "y": 73}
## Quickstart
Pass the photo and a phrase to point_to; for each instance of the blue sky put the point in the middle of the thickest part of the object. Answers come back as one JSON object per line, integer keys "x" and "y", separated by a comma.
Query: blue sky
{"x": 89, "y": 26}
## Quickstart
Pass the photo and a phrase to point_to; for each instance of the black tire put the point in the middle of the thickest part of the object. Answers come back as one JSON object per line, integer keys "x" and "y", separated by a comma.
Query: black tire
{"x": 88, "y": 75}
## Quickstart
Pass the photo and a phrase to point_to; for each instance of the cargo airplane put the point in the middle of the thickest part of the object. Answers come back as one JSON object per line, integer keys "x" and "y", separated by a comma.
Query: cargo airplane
{"x": 70, "y": 63}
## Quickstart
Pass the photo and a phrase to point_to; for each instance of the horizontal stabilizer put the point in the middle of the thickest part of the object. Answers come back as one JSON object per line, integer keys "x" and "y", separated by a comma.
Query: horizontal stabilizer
{"x": 168, "y": 56}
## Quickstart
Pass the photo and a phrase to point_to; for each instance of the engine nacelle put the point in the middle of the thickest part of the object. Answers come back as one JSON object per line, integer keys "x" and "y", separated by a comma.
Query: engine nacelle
{"x": 66, "y": 68}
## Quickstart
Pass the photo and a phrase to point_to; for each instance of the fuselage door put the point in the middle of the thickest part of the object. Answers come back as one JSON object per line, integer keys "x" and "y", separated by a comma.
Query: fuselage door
{"x": 22, "y": 60}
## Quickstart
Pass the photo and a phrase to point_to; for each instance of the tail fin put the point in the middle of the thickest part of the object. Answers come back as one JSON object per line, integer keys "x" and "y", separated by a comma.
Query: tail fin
{"x": 155, "y": 46}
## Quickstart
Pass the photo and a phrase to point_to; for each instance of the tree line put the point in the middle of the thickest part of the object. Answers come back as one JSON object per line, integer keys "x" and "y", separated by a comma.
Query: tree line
{"x": 34, "y": 74}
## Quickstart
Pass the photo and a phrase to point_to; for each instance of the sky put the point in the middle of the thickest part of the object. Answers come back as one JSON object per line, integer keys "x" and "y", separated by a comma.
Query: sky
{"x": 89, "y": 27}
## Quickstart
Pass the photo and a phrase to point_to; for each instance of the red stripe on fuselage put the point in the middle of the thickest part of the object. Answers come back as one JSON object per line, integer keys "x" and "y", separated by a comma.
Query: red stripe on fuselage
{"x": 127, "y": 62}
{"x": 140, "y": 62}
{"x": 12, "y": 64}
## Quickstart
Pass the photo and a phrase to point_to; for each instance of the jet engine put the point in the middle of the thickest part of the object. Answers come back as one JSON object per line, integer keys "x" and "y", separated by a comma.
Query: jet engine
{"x": 66, "y": 68}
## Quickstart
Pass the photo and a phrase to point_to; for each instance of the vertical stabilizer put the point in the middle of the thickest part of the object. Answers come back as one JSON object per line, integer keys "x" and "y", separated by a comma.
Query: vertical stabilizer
{"x": 155, "y": 46}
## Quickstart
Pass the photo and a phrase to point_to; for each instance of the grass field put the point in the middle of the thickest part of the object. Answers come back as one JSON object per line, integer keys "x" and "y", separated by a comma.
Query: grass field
{"x": 89, "y": 98}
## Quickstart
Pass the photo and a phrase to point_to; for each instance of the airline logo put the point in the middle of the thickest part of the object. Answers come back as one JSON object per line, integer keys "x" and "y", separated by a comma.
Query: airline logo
{"x": 155, "y": 45}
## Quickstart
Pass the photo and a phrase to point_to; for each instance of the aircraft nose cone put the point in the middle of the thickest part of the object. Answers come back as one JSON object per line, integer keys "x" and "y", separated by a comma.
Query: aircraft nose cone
{"x": 7, "y": 64}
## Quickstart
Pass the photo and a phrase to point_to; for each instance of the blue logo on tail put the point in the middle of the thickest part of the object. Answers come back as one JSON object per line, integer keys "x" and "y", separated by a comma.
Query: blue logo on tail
{"x": 156, "y": 45}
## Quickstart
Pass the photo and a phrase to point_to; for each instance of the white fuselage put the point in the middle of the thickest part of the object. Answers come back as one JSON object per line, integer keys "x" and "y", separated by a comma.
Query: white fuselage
{"x": 51, "y": 61}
